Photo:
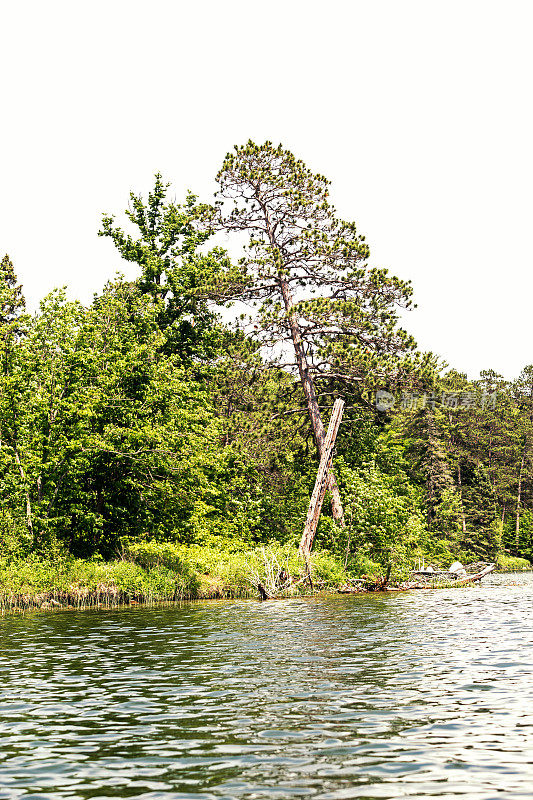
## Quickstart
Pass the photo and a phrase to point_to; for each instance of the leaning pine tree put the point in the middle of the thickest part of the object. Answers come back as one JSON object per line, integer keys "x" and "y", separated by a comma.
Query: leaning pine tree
{"x": 307, "y": 272}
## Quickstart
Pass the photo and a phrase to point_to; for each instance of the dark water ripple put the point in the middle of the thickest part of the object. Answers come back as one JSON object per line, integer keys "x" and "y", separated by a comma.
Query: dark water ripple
{"x": 415, "y": 695}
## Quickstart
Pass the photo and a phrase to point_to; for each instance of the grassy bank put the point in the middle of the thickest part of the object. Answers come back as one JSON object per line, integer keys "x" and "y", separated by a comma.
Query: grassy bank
{"x": 152, "y": 573}
{"x": 507, "y": 563}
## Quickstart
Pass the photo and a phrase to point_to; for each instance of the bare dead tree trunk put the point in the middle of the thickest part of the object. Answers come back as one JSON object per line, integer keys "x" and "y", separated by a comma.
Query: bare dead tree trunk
{"x": 317, "y": 498}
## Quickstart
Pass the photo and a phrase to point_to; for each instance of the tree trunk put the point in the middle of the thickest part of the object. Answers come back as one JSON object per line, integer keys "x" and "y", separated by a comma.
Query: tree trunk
{"x": 324, "y": 469}
{"x": 310, "y": 397}
{"x": 29, "y": 515}
{"x": 305, "y": 377}
{"x": 518, "y": 499}
{"x": 463, "y": 521}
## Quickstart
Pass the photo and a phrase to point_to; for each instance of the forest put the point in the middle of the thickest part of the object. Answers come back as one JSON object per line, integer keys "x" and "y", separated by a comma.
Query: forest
{"x": 170, "y": 430}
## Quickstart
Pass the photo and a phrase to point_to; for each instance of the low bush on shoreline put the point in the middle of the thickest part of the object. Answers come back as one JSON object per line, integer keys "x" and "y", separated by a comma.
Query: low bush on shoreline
{"x": 507, "y": 563}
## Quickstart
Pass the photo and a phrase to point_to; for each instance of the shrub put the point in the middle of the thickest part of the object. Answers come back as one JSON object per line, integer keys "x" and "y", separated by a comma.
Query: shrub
{"x": 507, "y": 563}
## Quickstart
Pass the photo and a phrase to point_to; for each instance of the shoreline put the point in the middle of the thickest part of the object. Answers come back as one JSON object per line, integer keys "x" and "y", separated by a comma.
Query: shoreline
{"x": 81, "y": 599}
{"x": 151, "y": 573}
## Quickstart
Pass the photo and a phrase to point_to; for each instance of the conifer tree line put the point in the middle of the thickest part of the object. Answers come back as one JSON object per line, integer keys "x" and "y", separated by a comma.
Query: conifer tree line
{"x": 190, "y": 404}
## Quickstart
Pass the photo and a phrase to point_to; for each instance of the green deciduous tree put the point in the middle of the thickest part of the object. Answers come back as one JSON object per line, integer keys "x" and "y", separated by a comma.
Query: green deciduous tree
{"x": 175, "y": 269}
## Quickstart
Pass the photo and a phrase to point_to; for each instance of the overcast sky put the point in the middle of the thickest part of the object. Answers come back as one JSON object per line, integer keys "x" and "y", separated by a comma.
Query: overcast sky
{"x": 419, "y": 112}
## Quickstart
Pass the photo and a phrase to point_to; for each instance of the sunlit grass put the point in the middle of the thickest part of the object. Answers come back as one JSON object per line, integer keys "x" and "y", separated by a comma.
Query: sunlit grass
{"x": 150, "y": 573}
{"x": 507, "y": 563}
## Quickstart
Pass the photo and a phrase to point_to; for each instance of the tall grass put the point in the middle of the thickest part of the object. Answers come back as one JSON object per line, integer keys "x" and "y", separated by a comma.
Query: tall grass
{"x": 43, "y": 583}
{"x": 149, "y": 573}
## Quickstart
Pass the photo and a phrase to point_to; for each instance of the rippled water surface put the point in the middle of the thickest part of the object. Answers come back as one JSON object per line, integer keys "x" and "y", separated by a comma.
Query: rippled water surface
{"x": 422, "y": 694}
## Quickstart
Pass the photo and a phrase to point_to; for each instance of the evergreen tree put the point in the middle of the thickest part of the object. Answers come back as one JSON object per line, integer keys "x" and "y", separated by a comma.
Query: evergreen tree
{"x": 427, "y": 447}
{"x": 307, "y": 271}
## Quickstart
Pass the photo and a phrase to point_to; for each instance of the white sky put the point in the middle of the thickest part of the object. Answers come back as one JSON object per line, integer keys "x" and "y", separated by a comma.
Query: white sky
{"x": 419, "y": 112}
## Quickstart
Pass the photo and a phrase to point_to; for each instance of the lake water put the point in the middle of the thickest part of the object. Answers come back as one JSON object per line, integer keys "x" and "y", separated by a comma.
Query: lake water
{"x": 418, "y": 695}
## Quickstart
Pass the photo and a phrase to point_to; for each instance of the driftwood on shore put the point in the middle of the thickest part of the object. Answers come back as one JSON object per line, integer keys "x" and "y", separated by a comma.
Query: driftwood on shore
{"x": 421, "y": 579}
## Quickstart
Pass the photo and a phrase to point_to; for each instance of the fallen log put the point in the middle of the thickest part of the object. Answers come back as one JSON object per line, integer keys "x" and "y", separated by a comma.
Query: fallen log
{"x": 432, "y": 580}
{"x": 470, "y": 573}
{"x": 477, "y": 577}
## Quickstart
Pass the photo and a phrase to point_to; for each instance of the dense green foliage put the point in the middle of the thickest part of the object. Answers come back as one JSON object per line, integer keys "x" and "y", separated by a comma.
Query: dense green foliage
{"x": 157, "y": 430}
